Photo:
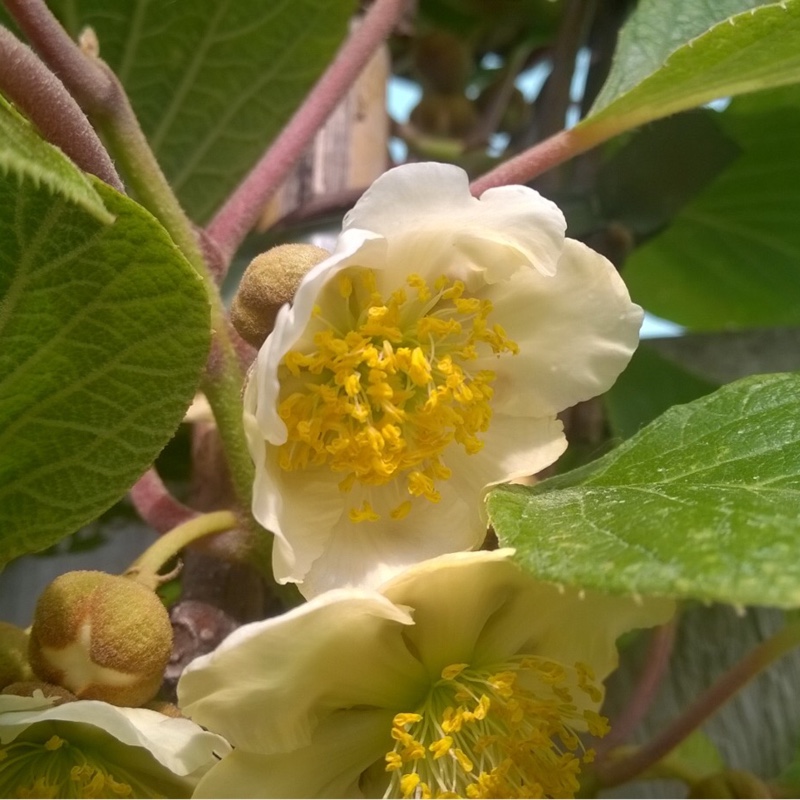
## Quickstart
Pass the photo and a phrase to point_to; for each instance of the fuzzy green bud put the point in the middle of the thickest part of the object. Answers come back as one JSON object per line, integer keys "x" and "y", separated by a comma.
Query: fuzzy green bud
{"x": 101, "y": 636}
{"x": 269, "y": 282}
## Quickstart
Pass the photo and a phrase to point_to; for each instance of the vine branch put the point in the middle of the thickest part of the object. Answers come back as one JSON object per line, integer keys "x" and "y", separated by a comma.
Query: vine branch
{"x": 613, "y": 774}
{"x": 44, "y": 100}
{"x": 242, "y": 209}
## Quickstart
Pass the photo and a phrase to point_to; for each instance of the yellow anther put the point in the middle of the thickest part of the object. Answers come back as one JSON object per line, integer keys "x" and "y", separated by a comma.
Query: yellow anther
{"x": 406, "y": 718}
{"x": 382, "y": 400}
{"x": 441, "y": 747}
{"x": 408, "y": 783}
{"x": 364, "y": 514}
{"x": 394, "y": 761}
{"x": 453, "y": 671}
{"x": 463, "y": 761}
{"x": 401, "y": 511}
{"x": 54, "y": 743}
{"x": 345, "y": 286}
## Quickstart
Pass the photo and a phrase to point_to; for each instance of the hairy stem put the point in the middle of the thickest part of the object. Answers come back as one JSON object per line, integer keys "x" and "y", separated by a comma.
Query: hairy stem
{"x": 241, "y": 211}
{"x": 44, "y": 100}
{"x": 659, "y": 651}
{"x": 541, "y": 157}
{"x": 613, "y": 774}
{"x": 156, "y": 506}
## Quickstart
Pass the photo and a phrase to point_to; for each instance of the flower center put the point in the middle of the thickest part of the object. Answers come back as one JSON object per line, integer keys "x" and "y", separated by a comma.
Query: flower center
{"x": 55, "y": 768}
{"x": 384, "y": 391}
{"x": 508, "y": 731}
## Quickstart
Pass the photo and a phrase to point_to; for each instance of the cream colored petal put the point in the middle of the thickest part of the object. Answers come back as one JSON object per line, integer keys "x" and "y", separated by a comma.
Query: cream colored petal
{"x": 576, "y": 332}
{"x": 178, "y": 744}
{"x": 481, "y": 608}
{"x": 369, "y": 553}
{"x": 506, "y": 228}
{"x": 270, "y": 683}
{"x": 453, "y": 598}
{"x": 300, "y": 508}
{"x": 568, "y": 625}
{"x": 343, "y": 746}
{"x": 513, "y": 447}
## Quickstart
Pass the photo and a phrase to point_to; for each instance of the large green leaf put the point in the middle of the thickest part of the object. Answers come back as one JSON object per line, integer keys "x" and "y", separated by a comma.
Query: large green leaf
{"x": 732, "y": 255}
{"x": 23, "y": 152}
{"x": 677, "y": 55}
{"x": 103, "y": 333}
{"x": 703, "y": 503}
{"x": 212, "y": 81}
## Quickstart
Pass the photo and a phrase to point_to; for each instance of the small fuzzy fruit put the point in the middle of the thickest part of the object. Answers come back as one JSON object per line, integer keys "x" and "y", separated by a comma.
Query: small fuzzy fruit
{"x": 101, "y": 636}
{"x": 14, "y": 665}
{"x": 269, "y": 282}
{"x": 443, "y": 60}
{"x": 451, "y": 116}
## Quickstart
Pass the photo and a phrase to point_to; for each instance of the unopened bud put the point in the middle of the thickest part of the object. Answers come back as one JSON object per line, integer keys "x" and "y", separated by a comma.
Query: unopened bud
{"x": 14, "y": 665}
{"x": 269, "y": 282}
{"x": 101, "y": 636}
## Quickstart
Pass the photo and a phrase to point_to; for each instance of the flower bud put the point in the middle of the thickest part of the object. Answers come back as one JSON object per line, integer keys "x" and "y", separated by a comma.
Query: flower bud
{"x": 14, "y": 665}
{"x": 101, "y": 636}
{"x": 269, "y": 282}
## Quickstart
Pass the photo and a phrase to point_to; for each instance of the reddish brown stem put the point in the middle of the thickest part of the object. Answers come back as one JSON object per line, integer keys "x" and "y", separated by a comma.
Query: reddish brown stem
{"x": 538, "y": 159}
{"x": 659, "y": 651}
{"x": 87, "y": 82}
{"x": 707, "y": 704}
{"x": 156, "y": 506}
{"x": 41, "y": 96}
{"x": 239, "y": 214}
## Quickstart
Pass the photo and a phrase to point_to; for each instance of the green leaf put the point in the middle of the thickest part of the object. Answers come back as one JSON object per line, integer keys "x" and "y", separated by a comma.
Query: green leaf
{"x": 670, "y": 58}
{"x": 104, "y": 331}
{"x": 22, "y": 150}
{"x": 648, "y": 179}
{"x": 212, "y": 81}
{"x": 649, "y": 386}
{"x": 703, "y": 503}
{"x": 731, "y": 256}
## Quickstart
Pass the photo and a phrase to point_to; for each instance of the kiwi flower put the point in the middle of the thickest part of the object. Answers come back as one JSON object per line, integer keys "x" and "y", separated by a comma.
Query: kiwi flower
{"x": 89, "y": 748}
{"x": 424, "y": 361}
{"x": 461, "y": 677}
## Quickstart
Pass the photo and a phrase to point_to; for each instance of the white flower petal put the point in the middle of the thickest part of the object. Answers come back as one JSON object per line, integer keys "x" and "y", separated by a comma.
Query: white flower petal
{"x": 513, "y": 447}
{"x": 481, "y": 608}
{"x": 436, "y": 204}
{"x": 576, "y": 332}
{"x": 343, "y": 746}
{"x": 178, "y": 744}
{"x": 342, "y": 649}
{"x": 564, "y": 306}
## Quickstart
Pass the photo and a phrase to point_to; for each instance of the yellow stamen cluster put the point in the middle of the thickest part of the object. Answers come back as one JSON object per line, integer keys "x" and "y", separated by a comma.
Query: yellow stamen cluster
{"x": 55, "y": 768}
{"x": 508, "y": 731}
{"x": 387, "y": 387}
